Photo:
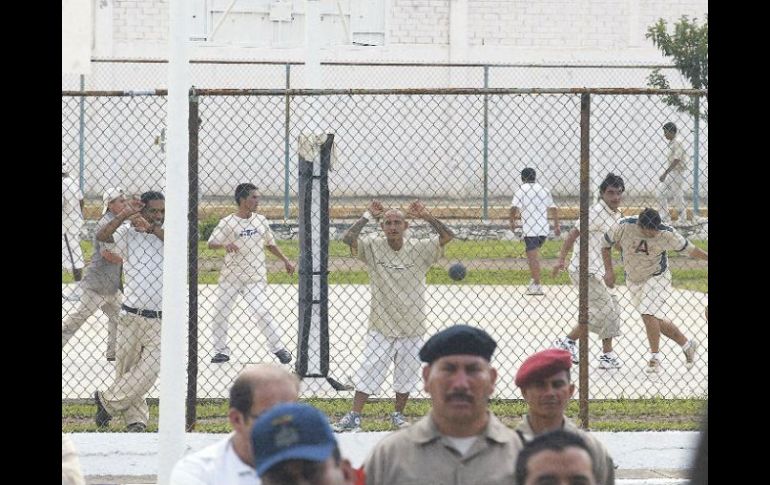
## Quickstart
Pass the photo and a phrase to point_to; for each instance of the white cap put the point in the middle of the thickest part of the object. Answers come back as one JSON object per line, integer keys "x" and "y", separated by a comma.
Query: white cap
{"x": 109, "y": 195}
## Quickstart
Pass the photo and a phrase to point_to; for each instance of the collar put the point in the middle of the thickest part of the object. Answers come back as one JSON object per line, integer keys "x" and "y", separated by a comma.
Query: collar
{"x": 425, "y": 431}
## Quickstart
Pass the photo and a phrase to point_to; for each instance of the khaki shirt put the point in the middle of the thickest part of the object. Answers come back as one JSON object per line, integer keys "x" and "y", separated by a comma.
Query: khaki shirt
{"x": 645, "y": 257}
{"x": 420, "y": 455}
{"x": 397, "y": 305}
{"x": 604, "y": 468}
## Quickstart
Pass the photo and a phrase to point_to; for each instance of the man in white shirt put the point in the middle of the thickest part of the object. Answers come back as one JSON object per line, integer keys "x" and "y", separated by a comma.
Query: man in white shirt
{"x": 534, "y": 204}
{"x": 230, "y": 461}
{"x": 137, "y": 356}
{"x": 644, "y": 241}
{"x": 673, "y": 180}
{"x": 603, "y": 308}
{"x": 243, "y": 235}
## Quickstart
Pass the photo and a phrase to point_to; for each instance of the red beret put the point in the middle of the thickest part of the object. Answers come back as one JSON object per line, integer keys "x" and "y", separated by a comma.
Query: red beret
{"x": 543, "y": 364}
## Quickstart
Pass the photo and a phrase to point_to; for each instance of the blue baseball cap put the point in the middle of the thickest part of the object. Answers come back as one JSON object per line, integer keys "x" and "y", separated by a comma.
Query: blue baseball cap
{"x": 291, "y": 431}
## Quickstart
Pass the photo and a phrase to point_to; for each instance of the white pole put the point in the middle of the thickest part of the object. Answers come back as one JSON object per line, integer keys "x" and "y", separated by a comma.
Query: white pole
{"x": 312, "y": 44}
{"x": 171, "y": 426}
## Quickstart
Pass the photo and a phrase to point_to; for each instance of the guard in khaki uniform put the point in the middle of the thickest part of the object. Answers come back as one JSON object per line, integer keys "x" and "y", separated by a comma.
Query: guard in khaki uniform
{"x": 544, "y": 381}
{"x": 460, "y": 441}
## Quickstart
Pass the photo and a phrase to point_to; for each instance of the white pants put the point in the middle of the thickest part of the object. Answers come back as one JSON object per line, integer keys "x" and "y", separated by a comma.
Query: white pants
{"x": 603, "y": 307}
{"x": 137, "y": 366}
{"x": 379, "y": 352}
{"x": 255, "y": 301}
{"x": 672, "y": 188}
{"x": 87, "y": 306}
{"x": 651, "y": 297}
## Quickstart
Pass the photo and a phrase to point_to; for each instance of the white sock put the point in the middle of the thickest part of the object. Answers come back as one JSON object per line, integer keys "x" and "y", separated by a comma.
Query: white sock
{"x": 610, "y": 354}
{"x": 687, "y": 345}
{"x": 655, "y": 355}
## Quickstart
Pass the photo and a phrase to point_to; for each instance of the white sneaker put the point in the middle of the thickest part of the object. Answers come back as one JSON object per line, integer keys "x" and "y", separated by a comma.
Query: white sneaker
{"x": 349, "y": 422}
{"x": 398, "y": 421}
{"x": 608, "y": 362}
{"x": 534, "y": 289}
{"x": 690, "y": 353}
{"x": 653, "y": 366}
{"x": 570, "y": 345}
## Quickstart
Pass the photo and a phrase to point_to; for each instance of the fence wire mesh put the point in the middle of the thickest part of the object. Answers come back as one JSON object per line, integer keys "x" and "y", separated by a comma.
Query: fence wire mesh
{"x": 461, "y": 154}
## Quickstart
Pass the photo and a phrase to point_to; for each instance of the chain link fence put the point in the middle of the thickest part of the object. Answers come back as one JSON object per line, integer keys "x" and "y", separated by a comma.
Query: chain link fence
{"x": 461, "y": 152}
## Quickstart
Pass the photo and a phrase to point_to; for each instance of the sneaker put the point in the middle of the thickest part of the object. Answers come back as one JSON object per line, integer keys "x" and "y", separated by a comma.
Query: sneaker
{"x": 566, "y": 344}
{"x": 398, "y": 421}
{"x": 219, "y": 358}
{"x": 534, "y": 289}
{"x": 350, "y": 422}
{"x": 607, "y": 362}
{"x": 136, "y": 428}
{"x": 653, "y": 366}
{"x": 283, "y": 355}
{"x": 102, "y": 417}
{"x": 690, "y": 353}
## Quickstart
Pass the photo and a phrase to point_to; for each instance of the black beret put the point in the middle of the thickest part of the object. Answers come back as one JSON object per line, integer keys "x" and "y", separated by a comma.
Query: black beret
{"x": 458, "y": 339}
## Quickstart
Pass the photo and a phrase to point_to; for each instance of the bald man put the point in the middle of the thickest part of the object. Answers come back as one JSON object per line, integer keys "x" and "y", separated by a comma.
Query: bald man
{"x": 397, "y": 266}
{"x": 231, "y": 461}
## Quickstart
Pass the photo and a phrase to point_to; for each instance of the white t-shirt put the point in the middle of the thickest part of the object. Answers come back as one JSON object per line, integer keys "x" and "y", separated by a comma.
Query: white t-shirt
{"x": 216, "y": 464}
{"x": 600, "y": 219}
{"x": 142, "y": 255}
{"x": 247, "y": 265}
{"x": 71, "y": 216}
{"x": 461, "y": 444}
{"x": 676, "y": 151}
{"x": 533, "y": 200}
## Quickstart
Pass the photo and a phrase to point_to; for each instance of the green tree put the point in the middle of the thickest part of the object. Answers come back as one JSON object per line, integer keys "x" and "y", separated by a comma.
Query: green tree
{"x": 689, "y": 48}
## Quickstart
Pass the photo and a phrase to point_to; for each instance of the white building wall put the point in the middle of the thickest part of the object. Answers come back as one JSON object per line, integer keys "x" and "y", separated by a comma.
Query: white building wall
{"x": 499, "y": 31}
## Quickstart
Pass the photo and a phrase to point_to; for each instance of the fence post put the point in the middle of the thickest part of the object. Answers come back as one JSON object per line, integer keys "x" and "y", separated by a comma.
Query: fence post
{"x": 585, "y": 120}
{"x": 696, "y": 162}
{"x": 193, "y": 126}
{"x": 486, "y": 146}
{"x": 286, "y": 212}
{"x": 81, "y": 134}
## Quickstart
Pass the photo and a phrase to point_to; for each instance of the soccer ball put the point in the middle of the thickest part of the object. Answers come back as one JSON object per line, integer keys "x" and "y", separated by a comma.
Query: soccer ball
{"x": 457, "y": 271}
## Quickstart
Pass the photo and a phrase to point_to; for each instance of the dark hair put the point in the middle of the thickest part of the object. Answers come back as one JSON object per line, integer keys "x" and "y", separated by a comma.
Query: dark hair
{"x": 558, "y": 440}
{"x": 309, "y": 471}
{"x": 669, "y": 127}
{"x": 528, "y": 175}
{"x": 151, "y": 195}
{"x": 242, "y": 393}
{"x": 649, "y": 219}
{"x": 612, "y": 180}
{"x": 242, "y": 191}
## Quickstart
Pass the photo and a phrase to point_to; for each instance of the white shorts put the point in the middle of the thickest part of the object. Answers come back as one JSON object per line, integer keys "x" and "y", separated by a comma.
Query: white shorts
{"x": 651, "y": 297}
{"x": 379, "y": 352}
{"x": 71, "y": 254}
